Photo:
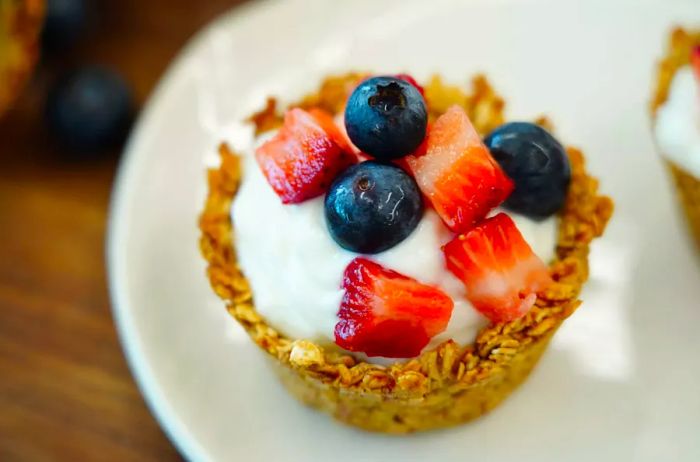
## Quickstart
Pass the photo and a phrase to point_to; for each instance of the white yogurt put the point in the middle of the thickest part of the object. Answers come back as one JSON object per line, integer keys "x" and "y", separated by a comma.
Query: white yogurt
{"x": 295, "y": 268}
{"x": 678, "y": 122}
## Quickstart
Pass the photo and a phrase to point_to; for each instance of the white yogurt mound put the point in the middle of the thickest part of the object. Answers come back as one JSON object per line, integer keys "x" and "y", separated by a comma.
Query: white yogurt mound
{"x": 677, "y": 127}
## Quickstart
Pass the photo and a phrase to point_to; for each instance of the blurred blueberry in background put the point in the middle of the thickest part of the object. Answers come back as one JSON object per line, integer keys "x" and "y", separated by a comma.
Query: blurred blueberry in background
{"x": 89, "y": 109}
{"x": 64, "y": 24}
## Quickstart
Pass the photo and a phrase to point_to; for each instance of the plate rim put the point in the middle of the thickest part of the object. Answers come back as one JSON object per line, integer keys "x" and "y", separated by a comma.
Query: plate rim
{"x": 117, "y": 233}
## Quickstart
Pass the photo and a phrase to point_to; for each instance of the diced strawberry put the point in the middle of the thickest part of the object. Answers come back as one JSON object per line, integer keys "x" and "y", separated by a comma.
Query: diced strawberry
{"x": 384, "y": 313}
{"x": 332, "y": 129}
{"x": 401, "y": 162}
{"x": 457, "y": 173}
{"x": 501, "y": 273}
{"x": 412, "y": 81}
{"x": 695, "y": 61}
{"x": 340, "y": 124}
{"x": 304, "y": 156}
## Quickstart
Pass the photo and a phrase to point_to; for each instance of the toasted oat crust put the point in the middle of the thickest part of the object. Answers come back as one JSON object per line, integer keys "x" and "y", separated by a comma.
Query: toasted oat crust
{"x": 447, "y": 385}
{"x": 680, "y": 45}
{"x": 20, "y": 24}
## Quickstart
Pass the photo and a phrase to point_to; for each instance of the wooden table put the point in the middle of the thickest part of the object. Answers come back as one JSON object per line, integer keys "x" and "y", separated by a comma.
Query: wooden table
{"x": 65, "y": 390}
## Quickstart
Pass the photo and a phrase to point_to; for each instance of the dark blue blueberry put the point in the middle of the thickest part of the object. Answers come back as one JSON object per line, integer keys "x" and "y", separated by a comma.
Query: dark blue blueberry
{"x": 64, "y": 23}
{"x": 372, "y": 206}
{"x": 538, "y": 165}
{"x": 90, "y": 109}
{"x": 386, "y": 117}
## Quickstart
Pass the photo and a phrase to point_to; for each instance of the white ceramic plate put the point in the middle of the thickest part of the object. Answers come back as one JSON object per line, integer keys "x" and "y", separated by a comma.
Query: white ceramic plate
{"x": 622, "y": 378}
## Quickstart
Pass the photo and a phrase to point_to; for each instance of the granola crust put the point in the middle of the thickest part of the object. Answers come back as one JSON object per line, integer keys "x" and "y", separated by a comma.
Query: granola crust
{"x": 687, "y": 185}
{"x": 20, "y": 24}
{"x": 445, "y": 386}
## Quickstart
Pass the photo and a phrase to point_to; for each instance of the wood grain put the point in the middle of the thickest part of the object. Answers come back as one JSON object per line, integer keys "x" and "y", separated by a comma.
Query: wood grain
{"x": 65, "y": 390}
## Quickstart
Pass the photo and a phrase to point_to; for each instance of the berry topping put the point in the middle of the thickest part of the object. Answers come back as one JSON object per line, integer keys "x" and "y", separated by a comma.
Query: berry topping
{"x": 384, "y": 313}
{"x": 89, "y": 109}
{"x": 336, "y": 133}
{"x": 386, "y": 117}
{"x": 372, "y": 206}
{"x": 457, "y": 173}
{"x": 695, "y": 61}
{"x": 304, "y": 156}
{"x": 412, "y": 81}
{"x": 345, "y": 139}
{"x": 498, "y": 268}
{"x": 537, "y": 164}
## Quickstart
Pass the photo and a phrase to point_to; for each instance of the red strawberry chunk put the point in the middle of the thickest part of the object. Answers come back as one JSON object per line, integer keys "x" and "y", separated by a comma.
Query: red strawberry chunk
{"x": 304, "y": 156}
{"x": 412, "y": 81}
{"x": 500, "y": 271}
{"x": 361, "y": 156}
{"x": 457, "y": 173}
{"x": 327, "y": 123}
{"x": 695, "y": 61}
{"x": 384, "y": 313}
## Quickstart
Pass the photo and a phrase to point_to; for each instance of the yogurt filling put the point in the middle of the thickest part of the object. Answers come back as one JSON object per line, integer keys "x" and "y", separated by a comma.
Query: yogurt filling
{"x": 295, "y": 268}
{"x": 677, "y": 127}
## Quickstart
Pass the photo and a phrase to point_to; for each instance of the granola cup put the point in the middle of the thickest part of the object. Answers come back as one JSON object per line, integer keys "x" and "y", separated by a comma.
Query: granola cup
{"x": 20, "y": 25}
{"x": 451, "y": 383}
{"x": 687, "y": 185}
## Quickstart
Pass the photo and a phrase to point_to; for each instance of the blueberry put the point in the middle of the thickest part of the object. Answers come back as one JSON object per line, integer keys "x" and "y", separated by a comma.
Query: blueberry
{"x": 372, "y": 206}
{"x": 538, "y": 165}
{"x": 386, "y": 117}
{"x": 89, "y": 109}
{"x": 64, "y": 23}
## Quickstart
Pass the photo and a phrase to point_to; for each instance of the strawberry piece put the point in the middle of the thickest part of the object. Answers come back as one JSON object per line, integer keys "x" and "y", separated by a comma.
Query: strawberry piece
{"x": 384, "y": 313}
{"x": 412, "y": 81}
{"x": 327, "y": 123}
{"x": 361, "y": 156}
{"x": 304, "y": 156}
{"x": 457, "y": 173}
{"x": 501, "y": 273}
{"x": 695, "y": 61}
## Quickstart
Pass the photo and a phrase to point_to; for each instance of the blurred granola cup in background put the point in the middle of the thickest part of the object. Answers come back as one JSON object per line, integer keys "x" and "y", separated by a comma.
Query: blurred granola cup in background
{"x": 688, "y": 192}
{"x": 446, "y": 385}
{"x": 683, "y": 45}
{"x": 20, "y": 27}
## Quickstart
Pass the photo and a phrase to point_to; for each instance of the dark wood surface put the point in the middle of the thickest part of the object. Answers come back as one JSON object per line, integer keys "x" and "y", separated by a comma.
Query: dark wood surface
{"x": 65, "y": 390}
